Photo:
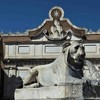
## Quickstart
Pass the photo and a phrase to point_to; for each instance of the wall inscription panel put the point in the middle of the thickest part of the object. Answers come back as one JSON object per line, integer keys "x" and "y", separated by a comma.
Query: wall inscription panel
{"x": 23, "y": 49}
{"x": 53, "y": 49}
{"x": 90, "y": 48}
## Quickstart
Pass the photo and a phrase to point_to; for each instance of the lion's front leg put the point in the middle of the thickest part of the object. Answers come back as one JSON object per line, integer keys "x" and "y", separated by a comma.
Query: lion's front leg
{"x": 29, "y": 78}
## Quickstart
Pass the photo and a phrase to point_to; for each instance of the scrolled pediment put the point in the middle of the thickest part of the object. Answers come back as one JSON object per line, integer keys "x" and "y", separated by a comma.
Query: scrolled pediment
{"x": 56, "y": 27}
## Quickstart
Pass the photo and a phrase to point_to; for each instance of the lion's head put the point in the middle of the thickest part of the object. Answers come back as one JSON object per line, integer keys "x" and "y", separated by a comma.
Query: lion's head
{"x": 75, "y": 54}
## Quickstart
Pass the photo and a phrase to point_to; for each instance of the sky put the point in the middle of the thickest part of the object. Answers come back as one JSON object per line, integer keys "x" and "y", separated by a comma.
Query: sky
{"x": 20, "y": 15}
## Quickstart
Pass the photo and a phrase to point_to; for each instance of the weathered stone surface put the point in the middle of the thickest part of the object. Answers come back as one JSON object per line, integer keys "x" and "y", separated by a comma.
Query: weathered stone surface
{"x": 69, "y": 66}
{"x": 62, "y": 79}
{"x": 53, "y": 93}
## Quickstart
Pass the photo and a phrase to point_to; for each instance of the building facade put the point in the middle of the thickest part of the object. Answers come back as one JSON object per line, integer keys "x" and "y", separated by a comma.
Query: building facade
{"x": 22, "y": 51}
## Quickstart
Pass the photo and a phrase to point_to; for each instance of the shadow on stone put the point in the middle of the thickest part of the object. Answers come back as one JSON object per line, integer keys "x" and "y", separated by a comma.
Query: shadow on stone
{"x": 9, "y": 86}
{"x": 91, "y": 91}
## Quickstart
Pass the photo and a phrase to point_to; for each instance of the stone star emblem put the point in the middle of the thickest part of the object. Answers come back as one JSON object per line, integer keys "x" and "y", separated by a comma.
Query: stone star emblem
{"x": 56, "y": 14}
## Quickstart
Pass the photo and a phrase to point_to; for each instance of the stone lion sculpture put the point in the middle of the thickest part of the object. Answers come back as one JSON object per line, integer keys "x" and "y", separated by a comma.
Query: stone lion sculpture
{"x": 69, "y": 66}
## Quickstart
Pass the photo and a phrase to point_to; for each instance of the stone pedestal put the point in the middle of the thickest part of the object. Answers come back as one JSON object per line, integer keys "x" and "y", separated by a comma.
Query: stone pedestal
{"x": 68, "y": 92}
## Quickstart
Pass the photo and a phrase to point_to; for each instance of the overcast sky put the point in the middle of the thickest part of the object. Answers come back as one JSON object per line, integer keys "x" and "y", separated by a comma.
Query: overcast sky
{"x": 20, "y": 15}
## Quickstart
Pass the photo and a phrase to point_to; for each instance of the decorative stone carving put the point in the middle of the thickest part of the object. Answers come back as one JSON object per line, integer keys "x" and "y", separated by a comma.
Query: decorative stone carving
{"x": 67, "y": 68}
{"x": 57, "y": 31}
{"x": 56, "y": 27}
